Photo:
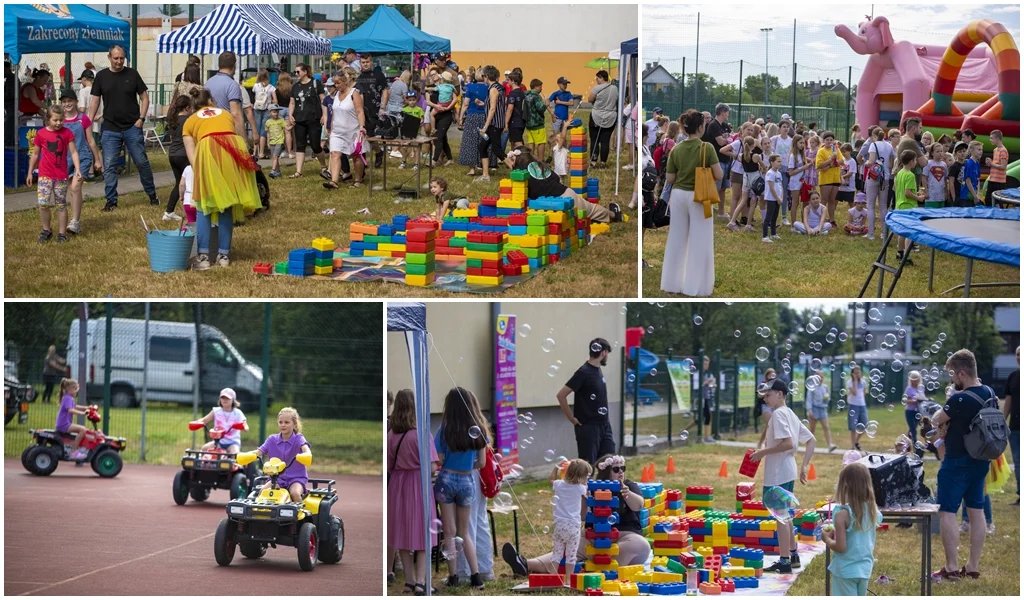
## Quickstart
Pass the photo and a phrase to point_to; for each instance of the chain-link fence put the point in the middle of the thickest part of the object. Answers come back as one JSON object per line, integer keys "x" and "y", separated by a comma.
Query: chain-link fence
{"x": 801, "y": 69}
{"x": 153, "y": 369}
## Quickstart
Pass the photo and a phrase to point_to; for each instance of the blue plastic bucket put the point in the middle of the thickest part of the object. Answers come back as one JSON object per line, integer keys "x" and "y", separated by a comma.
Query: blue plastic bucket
{"x": 169, "y": 249}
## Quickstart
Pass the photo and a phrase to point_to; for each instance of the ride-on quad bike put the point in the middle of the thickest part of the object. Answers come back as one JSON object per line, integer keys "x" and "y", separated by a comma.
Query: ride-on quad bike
{"x": 51, "y": 447}
{"x": 205, "y": 470}
{"x": 268, "y": 517}
{"x": 17, "y": 395}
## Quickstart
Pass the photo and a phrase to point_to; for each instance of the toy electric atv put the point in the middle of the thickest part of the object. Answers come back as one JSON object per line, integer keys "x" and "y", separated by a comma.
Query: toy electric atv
{"x": 17, "y": 395}
{"x": 205, "y": 470}
{"x": 268, "y": 517}
{"x": 51, "y": 447}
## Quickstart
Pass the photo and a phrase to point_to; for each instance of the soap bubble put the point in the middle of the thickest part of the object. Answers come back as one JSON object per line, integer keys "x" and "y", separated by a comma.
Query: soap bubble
{"x": 794, "y": 387}
{"x": 650, "y": 329}
{"x": 524, "y": 330}
{"x": 812, "y": 383}
{"x": 759, "y": 330}
{"x": 890, "y": 339}
{"x": 831, "y": 337}
{"x": 789, "y": 344}
{"x": 513, "y": 470}
{"x": 613, "y": 518}
{"x": 843, "y": 336}
{"x": 840, "y": 404}
{"x": 871, "y": 429}
{"x": 532, "y": 425}
{"x": 631, "y": 378}
{"x": 901, "y": 333}
{"x": 661, "y": 304}
{"x": 817, "y": 346}
{"x": 806, "y": 423}
{"x": 816, "y": 322}
{"x": 435, "y": 526}
{"x": 942, "y": 337}
{"x": 602, "y": 411}
{"x": 897, "y": 366}
{"x": 684, "y": 435}
{"x": 874, "y": 314}
{"x": 553, "y": 501}
{"x": 815, "y": 364}
{"x": 596, "y": 348}
{"x": 736, "y": 333}
{"x": 652, "y": 440}
{"x": 697, "y": 319}
{"x": 552, "y": 370}
{"x": 503, "y": 499}
{"x": 781, "y": 503}
{"x": 474, "y": 432}
{"x": 687, "y": 365}
{"x": 921, "y": 305}
{"x": 654, "y": 372}
{"x": 926, "y": 354}
{"x": 593, "y": 396}
{"x": 547, "y": 345}
{"x": 761, "y": 354}
{"x": 545, "y": 529}
{"x": 766, "y": 332}
{"x": 891, "y": 408}
{"x": 623, "y": 309}
{"x": 549, "y": 455}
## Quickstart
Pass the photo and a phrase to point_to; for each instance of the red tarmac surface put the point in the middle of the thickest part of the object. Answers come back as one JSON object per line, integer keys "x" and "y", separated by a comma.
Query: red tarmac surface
{"x": 74, "y": 533}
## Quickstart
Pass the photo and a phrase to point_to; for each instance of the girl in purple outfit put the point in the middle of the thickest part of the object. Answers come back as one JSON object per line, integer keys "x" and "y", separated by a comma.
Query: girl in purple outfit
{"x": 68, "y": 391}
{"x": 286, "y": 446}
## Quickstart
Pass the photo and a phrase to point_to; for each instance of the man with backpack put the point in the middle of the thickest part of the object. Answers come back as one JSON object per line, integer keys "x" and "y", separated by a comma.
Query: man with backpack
{"x": 976, "y": 433}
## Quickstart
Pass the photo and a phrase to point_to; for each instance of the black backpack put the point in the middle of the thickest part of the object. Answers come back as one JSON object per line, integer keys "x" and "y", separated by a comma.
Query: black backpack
{"x": 655, "y": 212}
{"x": 988, "y": 434}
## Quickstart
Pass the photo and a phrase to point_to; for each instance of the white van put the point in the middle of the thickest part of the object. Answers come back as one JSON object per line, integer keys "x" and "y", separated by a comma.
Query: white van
{"x": 173, "y": 359}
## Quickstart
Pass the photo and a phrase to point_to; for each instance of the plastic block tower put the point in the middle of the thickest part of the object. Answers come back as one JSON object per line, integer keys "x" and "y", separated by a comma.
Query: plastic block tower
{"x": 699, "y": 497}
{"x": 420, "y": 256}
{"x": 484, "y": 255}
{"x": 512, "y": 193}
{"x": 578, "y": 157}
{"x": 323, "y": 261}
{"x": 808, "y": 526}
{"x": 602, "y": 546}
{"x": 593, "y": 193}
{"x": 302, "y": 262}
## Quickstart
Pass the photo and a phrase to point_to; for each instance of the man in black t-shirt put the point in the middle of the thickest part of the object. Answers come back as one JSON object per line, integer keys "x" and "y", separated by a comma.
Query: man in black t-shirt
{"x": 715, "y": 134}
{"x": 1011, "y": 408}
{"x": 961, "y": 478}
{"x": 122, "y": 90}
{"x": 374, "y": 88}
{"x": 590, "y": 404}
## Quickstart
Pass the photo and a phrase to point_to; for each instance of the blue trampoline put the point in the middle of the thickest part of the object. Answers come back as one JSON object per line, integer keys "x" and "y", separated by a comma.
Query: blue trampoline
{"x": 986, "y": 234}
{"x": 1010, "y": 196}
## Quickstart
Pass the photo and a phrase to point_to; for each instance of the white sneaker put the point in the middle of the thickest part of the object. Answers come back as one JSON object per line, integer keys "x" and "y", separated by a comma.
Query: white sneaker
{"x": 171, "y": 217}
{"x": 74, "y": 226}
{"x": 202, "y": 262}
{"x": 991, "y": 529}
{"x": 766, "y": 239}
{"x": 223, "y": 260}
{"x": 395, "y": 154}
{"x": 776, "y": 237}
{"x": 964, "y": 527}
{"x": 401, "y": 165}
{"x": 785, "y": 221}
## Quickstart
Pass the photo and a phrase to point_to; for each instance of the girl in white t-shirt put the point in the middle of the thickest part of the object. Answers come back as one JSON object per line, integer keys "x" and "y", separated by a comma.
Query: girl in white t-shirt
{"x": 570, "y": 493}
{"x": 857, "y": 224}
{"x": 848, "y": 175}
{"x": 795, "y": 165}
{"x": 224, "y": 417}
{"x": 858, "y": 406}
{"x": 560, "y": 153}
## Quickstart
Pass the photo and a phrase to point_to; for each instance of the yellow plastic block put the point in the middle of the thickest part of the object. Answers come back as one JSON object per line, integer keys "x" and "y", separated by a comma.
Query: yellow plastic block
{"x": 660, "y": 577}
{"x": 629, "y": 571}
{"x": 719, "y": 529}
{"x": 482, "y": 280}
{"x": 661, "y": 561}
{"x": 736, "y": 562}
{"x": 391, "y": 247}
{"x": 526, "y": 269}
{"x": 323, "y": 270}
{"x": 483, "y": 255}
{"x": 552, "y": 239}
{"x": 611, "y": 586}
{"x": 705, "y": 550}
{"x": 644, "y": 577}
{"x": 419, "y": 280}
{"x": 593, "y": 567}
{"x": 768, "y": 525}
{"x": 461, "y": 234}
{"x": 756, "y": 513}
{"x": 596, "y": 228}
{"x": 510, "y": 203}
{"x": 323, "y": 244}
{"x": 729, "y": 571}
{"x": 699, "y": 503}
{"x": 628, "y": 588}
{"x": 385, "y": 253}
{"x": 465, "y": 212}
{"x": 592, "y": 551}
{"x": 666, "y": 551}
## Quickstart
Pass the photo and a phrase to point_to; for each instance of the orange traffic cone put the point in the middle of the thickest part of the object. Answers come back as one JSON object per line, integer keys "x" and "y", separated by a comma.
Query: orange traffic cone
{"x": 645, "y": 476}
{"x": 671, "y": 468}
{"x": 653, "y": 471}
{"x": 812, "y": 474}
{"x": 723, "y": 472}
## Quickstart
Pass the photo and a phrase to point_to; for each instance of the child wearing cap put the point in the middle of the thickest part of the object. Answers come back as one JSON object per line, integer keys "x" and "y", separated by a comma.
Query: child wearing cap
{"x": 858, "y": 216}
{"x": 560, "y": 100}
{"x": 445, "y": 93}
{"x": 224, "y": 416}
{"x": 412, "y": 117}
{"x": 953, "y": 181}
{"x": 783, "y": 432}
{"x": 275, "y": 127}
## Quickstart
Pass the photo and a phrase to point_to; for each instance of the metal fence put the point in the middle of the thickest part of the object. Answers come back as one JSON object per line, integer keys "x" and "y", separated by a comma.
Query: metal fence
{"x": 663, "y": 399}
{"x": 151, "y": 377}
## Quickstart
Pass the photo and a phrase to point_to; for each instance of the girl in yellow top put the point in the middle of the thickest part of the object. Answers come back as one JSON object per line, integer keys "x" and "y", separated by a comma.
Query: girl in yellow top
{"x": 225, "y": 181}
{"x": 828, "y": 162}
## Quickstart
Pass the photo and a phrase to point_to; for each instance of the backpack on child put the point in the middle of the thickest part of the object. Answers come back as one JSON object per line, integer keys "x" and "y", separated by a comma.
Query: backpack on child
{"x": 262, "y": 93}
{"x": 988, "y": 434}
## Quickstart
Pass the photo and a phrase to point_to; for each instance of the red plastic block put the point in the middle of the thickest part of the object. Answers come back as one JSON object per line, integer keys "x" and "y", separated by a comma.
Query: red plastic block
{"x": 552, "y": 259}
{"x": 713, "y": 563}
{"x": 700, "y": 490}
{"x": 748, "y": 467}
{"x": 517, "y": 257}
{"x": 420, "y": 247}
{"x": 493, "y": 221}
{"x": 601, "y": 559}
{"x": 553, "y": 229}
{"x": 444, "y": 234}
{"x": 489, "y": 201}
{"x": 490, "y": 264}
{"x": 611, "y": 535}
{"x": 420, "y": 235}
{"x": 593, "y": 592}
{"x": 602, "y": 511}
{"x": 727, "y": 585}
{"x": 263, "y": 268}
{"x": 420, "y": 224}
{"x": 545, "y": 580}
{"x": 517, "y": 219}
{"x": 511, "y": 270}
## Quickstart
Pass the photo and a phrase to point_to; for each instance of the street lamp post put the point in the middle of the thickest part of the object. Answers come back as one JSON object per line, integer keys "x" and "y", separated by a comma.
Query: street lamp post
{"x": 766, "y": 31}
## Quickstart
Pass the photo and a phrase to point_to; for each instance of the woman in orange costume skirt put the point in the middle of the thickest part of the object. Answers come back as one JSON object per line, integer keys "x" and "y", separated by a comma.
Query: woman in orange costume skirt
{"x": 224, "y": 188}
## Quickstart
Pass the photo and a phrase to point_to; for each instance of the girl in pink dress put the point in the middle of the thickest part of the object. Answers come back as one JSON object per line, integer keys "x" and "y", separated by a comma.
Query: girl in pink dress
{"x": 405, "y": 494}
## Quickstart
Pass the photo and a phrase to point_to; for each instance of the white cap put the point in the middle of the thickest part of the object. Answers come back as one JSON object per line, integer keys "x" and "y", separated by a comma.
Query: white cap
{"x": 229, "y": 394}
{"x": 783, "y": 117}
{"x": 508, "y": 72}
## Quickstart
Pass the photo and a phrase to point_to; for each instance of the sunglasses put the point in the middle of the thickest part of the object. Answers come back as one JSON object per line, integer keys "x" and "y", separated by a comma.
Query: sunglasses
{"x": 618, "y": 469}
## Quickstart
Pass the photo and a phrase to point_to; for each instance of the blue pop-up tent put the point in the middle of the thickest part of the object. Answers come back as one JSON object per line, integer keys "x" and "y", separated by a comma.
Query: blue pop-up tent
{"x": 411, "y": 319}
{"x": 387, "y": 31}
{"x": 37, "y": 28}
{"x": 628, "y": 62}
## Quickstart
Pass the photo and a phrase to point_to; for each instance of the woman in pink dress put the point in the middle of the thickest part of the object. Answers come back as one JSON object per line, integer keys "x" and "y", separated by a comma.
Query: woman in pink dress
{"x": 405, "y": 494}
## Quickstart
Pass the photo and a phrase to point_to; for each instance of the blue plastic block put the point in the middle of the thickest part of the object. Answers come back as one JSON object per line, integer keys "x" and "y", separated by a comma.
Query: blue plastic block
{"x": 553, "y": 248}
{"x": 507, "y": 212}
{"x": 364, "y": 246}
{"x": 398, "y": 222}
{"x": 398, "y": 238}
{"x": 644, "y": 588}
{"x": 385, "y": 230}
{"x": 302, "y": 255}
{"x": 602, "y": 543}
{"x": 667, "y": 589}
{"x": 602, "y": 528}
{"x": 534, "y": 263}
{"x": 517, "y": 229}
{"x": 745, "y": 582}
{"x": 610, "y": 575}
{"x": 604, "y": 484}
{"x": 577, "y": 172}
{"x": 614, "y": 502}
{"x": 355, "y": 252}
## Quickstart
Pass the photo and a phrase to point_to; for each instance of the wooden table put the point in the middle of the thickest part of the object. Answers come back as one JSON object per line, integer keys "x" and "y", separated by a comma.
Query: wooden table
{"x": 921, "y": 514}
{"x": 415, "y": 143}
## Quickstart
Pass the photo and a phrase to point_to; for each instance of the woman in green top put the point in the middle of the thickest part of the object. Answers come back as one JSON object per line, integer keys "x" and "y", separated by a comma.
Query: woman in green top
{"x": 689, "y": 264}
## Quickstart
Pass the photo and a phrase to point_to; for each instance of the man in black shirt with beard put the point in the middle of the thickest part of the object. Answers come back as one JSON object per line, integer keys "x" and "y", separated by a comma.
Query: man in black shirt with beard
{"x": 590, "y": 404}
{"x": 374, "y": 88}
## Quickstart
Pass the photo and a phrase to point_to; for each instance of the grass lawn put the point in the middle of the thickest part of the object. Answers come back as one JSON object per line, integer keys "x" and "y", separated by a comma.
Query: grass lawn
{"x": 157, "y": 160}
{"x": 111, "y": 259}
{"x": 896, "y": 550}
{"x": 798, "y": 266}
{"x": 340, "y": 446}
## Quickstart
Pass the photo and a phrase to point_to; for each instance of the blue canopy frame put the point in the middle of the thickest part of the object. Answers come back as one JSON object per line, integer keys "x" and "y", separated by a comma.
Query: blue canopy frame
{"x": 61, "y": 28}
{"x": 387, "y": 31}
{"x": 628, "y": 62}
{"x": 411, "y": 318}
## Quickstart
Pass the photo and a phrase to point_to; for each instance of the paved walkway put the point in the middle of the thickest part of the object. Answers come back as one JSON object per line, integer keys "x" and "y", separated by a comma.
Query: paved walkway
{"x": 125, "y": 185}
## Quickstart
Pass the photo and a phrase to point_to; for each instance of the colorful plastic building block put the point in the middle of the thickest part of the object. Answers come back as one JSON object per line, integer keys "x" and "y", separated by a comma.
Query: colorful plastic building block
{"x": 710, "y": 589}
{"x": 545, "y": 580}
{"x": 593, "y": 592}
{"x": 263, "y": 268}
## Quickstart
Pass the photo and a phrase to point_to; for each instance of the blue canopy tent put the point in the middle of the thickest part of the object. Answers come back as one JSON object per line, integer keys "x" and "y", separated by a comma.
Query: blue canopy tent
{"x": 60, "y": 28}
{"x": 37, "y": 28}
{"x": 246, "y": 30}
{"x": 628, "y": 61}
{"x": 387, "y": 31}
{"x": 411, "y": 318}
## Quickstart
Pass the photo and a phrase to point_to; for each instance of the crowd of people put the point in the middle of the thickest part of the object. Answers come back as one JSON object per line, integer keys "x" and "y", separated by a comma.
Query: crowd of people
{"x": 802, "y": 172}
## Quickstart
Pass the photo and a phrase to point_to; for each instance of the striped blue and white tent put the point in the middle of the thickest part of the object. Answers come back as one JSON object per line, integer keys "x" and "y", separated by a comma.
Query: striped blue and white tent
{"x": 245, "y": 29}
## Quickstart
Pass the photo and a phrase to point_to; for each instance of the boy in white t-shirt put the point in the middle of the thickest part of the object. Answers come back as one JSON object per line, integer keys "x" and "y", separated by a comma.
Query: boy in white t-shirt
{"x": 784, "y": 430}
{"x": 570, "y": 502}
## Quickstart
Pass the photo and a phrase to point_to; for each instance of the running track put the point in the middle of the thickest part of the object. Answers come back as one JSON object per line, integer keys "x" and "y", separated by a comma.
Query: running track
{"x": 74, "y": 533}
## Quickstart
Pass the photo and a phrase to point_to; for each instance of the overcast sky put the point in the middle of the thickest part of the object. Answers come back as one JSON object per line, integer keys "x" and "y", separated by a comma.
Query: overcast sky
{"x": 670, "y": 32}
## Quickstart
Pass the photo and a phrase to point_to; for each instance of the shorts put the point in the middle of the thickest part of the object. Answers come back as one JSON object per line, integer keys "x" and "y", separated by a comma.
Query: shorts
{"x": 961, "y": 479}
{"x": 283, "y": 113}
{"x": 455, "y": 488}
{"x": 86, "y": 166}
{"x": 52, "y": 192}
{"x": 225, "y": 443}
{"x": 736, "y": 178}
{"x": 537, "y": 136}
{"x": 818, "y": 413}
{"x": 842, "y": 586}
{"x": 276, "y": 150}
{"x": 261, "y": 121}
{"x": 515, "y": 134}
{"x": 308, "y": 133}
{"x": 845, "y": 195}
{"x": 788, "y": 486}
{"x": 556, "y": 125}
{"x": 287, "y": 483}
{"x": 724, "y": 183}
{"x": 860, "y": 415}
